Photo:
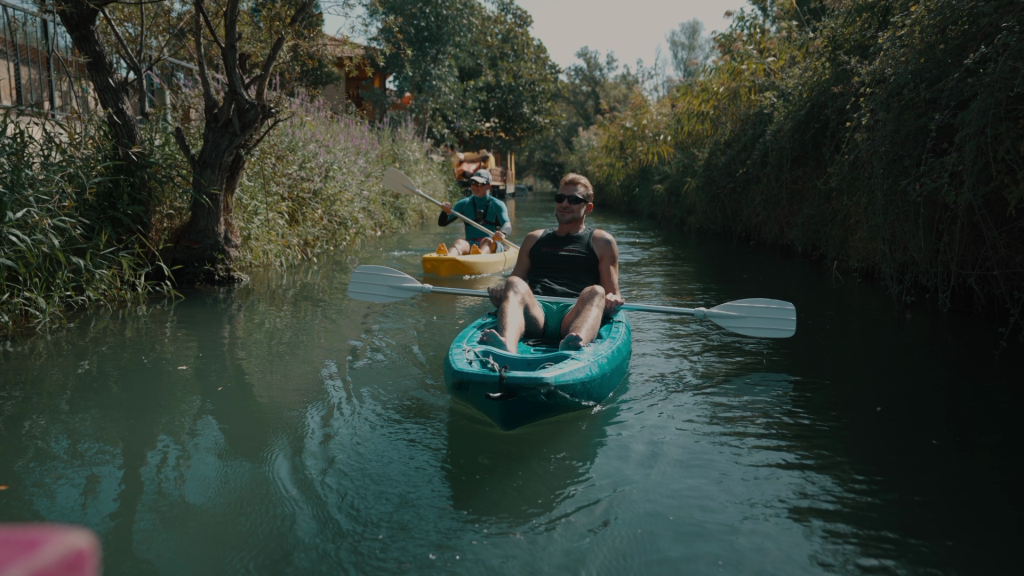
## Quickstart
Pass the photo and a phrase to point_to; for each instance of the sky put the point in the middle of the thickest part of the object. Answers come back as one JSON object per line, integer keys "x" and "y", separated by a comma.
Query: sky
{"x": 631, "y": 28}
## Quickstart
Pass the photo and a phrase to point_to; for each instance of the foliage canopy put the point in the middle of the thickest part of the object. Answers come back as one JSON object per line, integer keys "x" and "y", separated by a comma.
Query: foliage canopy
{"x": 880, "y": 134}
{"x": 477, "y": 76}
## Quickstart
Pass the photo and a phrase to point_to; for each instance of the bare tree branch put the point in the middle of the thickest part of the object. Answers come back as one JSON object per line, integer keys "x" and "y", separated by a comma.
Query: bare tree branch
{"x": 163, "y": 48}
{"x": 179, "y": 138}
{"x": 142, "y": 32}
{"x": 268, "y": 130}
{"x": 127, "y": 52}
{"x": 209, "y": 25}
{"x": 230, "y": 49}
{"x": 268, "y": 64}
{"x": 209, "y": 102}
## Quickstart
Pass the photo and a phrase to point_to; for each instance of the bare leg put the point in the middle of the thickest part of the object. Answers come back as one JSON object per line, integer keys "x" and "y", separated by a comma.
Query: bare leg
{"x": 581, "y": 323}
{"x": 519, "y": 314}
{"x": 459, "y": 247}
{"x": 487, "y": 246}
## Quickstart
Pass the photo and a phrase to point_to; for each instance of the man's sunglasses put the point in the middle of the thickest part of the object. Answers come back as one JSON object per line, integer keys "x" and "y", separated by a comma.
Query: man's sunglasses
{"x": 574, "y": 199}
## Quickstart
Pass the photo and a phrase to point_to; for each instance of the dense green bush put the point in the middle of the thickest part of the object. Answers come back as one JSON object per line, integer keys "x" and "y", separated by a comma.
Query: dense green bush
{"x": 879, "y": 135}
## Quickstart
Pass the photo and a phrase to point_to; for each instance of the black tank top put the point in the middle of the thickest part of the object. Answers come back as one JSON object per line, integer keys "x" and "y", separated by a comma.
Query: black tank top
{"x": 563, "y": 265}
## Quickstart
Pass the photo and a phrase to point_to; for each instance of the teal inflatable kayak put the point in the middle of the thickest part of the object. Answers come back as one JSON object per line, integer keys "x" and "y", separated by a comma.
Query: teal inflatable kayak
{"x": 539, "y": 381}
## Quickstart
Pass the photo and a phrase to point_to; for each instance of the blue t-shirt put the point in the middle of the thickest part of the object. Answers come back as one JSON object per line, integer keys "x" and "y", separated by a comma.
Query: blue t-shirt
{"x": 495, "y": 215}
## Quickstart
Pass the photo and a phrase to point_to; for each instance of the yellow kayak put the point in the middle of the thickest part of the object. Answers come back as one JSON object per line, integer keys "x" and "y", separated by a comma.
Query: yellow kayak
{"x": 469, "y": 264}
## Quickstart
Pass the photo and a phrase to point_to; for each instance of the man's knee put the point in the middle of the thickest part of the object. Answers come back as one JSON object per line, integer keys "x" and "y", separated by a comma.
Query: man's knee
{"x": 594, "y": 292}
{"x": 516, "y": 285}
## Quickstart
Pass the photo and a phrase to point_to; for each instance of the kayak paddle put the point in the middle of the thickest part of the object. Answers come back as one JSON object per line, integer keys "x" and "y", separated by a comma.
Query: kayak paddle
{"x": 758, "y": 317}
{"x": 399, "y": 183}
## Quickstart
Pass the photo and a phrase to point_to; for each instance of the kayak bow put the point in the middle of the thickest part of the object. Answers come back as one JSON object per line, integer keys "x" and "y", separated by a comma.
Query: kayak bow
{"x": 539, "y": 381}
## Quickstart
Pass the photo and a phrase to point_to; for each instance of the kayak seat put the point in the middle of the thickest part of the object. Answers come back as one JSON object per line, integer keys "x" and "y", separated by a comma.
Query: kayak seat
{"x": 527, "y": 363}
{"x": 540, "y": 345}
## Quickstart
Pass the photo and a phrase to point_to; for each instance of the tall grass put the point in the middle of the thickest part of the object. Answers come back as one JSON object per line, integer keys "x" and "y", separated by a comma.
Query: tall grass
{"x": 315, "y": 185}
{"x": 56, "y": 253}
{"x": 881, "y": 136}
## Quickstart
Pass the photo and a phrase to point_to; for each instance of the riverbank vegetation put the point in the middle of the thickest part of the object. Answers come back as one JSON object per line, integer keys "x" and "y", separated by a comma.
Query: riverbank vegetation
{"x": 90, "y": 212}
{"x": 56, "y": 253}
{"x": 313, "y": 187}
{"x": 882, "y": 137}
{"x": 243, "y": 165}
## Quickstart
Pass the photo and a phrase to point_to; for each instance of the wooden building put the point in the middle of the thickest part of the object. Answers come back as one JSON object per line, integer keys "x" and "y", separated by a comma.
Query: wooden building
{"x": 355, "y": 62}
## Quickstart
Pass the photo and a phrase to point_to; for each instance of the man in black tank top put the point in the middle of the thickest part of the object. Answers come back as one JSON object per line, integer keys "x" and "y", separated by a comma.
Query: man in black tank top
{"x": 573, "y": 261}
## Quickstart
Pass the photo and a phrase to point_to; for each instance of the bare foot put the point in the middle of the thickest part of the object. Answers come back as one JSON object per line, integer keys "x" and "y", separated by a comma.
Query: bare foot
{"x": 491, "y": 338}
{"x": 572, "y": 341}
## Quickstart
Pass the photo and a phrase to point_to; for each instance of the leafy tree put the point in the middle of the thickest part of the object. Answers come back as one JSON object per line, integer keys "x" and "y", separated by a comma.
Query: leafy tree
{"x": 690, "y": 49}
{"x": 592, "y": 88}
{"x": 883, "y": 135}
{"x": 518, "y": 78}
{"x": 476, "y": 75}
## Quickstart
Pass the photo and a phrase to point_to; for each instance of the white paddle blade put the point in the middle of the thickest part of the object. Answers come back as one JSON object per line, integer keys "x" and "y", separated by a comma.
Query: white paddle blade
{"x": 398, "y": 182}
{"x": 381, "y": 284}
{"x": 758, "y": 317}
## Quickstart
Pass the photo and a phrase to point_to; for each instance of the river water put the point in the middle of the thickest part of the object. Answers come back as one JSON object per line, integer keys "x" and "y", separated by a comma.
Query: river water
{"x": 281, "y": 427}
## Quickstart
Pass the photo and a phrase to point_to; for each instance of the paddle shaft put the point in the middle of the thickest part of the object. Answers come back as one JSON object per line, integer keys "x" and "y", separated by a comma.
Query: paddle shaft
{"x": 757, "y": 317}
{"x": 464, "y": 219}
{"x": 699, "y": 312}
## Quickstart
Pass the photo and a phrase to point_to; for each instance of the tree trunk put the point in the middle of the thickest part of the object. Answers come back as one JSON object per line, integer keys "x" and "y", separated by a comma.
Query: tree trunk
{"x": 208, "y": 243}
{"x": 79, "y": 19}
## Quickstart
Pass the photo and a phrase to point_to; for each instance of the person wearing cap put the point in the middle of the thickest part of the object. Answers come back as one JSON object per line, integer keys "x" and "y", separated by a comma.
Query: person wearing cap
{"x": 483, "y": 209}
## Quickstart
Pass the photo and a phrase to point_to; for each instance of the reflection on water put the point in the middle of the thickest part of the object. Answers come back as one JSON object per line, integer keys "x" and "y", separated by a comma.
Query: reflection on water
{"x": 280, "y": 428}
{"x": 515, "y": 478}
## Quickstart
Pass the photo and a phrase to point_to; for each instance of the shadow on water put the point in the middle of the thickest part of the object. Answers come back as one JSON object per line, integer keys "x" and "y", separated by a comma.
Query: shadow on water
{"x": 902, "y": 426}
{"x": 224, "y": 385}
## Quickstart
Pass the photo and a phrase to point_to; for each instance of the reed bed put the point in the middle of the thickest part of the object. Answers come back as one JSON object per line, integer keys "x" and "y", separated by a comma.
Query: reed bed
{"x": 57, "y": 254}
{"x": 314, "y": 185}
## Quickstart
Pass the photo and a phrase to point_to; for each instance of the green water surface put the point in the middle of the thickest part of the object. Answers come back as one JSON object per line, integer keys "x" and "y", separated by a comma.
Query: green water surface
{"x": 282, "y": 428}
